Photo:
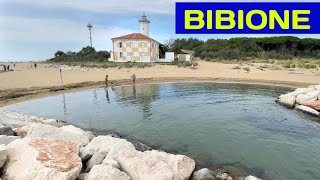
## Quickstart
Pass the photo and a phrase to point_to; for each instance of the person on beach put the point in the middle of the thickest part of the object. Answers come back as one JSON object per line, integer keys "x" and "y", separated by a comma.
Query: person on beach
{"x": 8, "y": 68}
{"x": 35, "y": 65}
{"x": 14, "y": 65}
{"x": 133, "y": 77}
{"x": 106, "y": 81}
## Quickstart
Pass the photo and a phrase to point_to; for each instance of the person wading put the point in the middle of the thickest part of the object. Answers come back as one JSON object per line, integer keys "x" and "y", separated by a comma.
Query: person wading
{"x": 133, "y": 77}
{"x": 106, "y": 81}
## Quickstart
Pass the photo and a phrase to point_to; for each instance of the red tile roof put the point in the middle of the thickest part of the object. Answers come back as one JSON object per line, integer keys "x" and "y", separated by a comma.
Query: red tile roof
{"x": 135, "y": 36}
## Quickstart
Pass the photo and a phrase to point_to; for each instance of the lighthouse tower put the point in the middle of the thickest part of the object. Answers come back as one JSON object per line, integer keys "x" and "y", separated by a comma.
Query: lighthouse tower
{"x": 144, "y": 25}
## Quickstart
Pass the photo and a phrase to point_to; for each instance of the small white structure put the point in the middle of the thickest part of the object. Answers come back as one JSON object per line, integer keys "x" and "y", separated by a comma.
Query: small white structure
{"x": 169, "y": 57}
{"x": 186, "y": 55}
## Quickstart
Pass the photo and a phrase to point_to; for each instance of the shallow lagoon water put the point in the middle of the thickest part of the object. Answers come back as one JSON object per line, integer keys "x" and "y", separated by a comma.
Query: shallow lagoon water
{"x": 228, "y": 124}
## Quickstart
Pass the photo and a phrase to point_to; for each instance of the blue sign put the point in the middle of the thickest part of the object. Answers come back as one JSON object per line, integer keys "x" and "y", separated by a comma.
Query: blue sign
{"x": 247, "y": 18}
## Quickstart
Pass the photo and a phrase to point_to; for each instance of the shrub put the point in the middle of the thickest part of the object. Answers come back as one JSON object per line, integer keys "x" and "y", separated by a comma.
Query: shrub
{"x": 306, "y": 66}
{"x": 312, "y": 66}
{"x": 292, "y": 66}
{"x": 286, "y": 65}
{"x": 236, "y": 67}
{"x": 246, "y": 69}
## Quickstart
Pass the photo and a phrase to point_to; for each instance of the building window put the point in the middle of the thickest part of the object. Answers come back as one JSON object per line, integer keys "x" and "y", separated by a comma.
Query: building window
{"x": 121, "y": 55}
{"x": 142, "y": 44}
{"x": 120, "y": 44}
{"x": 131, "y": 44}
{"x": 142, "y": 56}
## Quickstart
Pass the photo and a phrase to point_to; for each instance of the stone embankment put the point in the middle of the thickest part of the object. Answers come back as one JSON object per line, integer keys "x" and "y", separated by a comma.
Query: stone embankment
{"x": 39, "y": 149}
{"x": 303, "y": 99}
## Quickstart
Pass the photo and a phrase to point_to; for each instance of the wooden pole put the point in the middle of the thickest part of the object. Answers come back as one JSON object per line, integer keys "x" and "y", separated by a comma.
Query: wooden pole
{"x": 61, "y": 76}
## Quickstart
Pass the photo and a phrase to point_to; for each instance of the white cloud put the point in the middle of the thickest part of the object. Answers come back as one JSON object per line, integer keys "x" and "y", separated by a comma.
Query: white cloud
{"x": 56, "y": 34}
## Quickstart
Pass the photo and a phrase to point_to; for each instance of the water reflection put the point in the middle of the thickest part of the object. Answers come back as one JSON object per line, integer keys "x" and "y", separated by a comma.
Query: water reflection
{"x": 107, "y": 94}
{"x": 142, "y": 97}
{"x": 64, "y": 104}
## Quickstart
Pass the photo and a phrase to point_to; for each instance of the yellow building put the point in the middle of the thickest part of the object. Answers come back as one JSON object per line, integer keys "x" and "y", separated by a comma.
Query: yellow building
{"x": 136, "y": 47}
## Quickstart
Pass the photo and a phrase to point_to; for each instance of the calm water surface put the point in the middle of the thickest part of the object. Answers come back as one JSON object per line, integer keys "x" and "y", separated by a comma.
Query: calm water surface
{"x": 228, "y": 124}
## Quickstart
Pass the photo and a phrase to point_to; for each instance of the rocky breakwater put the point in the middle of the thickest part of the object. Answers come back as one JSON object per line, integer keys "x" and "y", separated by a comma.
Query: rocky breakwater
{"x": 303, "y": 99}
{"x": 38, "y": 148}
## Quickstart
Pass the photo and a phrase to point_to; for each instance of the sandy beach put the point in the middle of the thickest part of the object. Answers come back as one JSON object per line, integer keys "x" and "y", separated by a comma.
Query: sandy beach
{"x": 25, "y": 83}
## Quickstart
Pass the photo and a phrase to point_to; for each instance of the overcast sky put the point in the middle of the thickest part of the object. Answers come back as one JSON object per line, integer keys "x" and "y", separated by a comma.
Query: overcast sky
{"x": 36, "y": 29}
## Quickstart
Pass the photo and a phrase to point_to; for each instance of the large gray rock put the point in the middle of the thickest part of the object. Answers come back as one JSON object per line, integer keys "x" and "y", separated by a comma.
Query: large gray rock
{"x": 36, "y": 130}
{"x": 140, "y": 146}
{"x": 7, "y": 131}
{"x": 83, "y": 176}
{"x": 252, "y": 178}
{"x": 107, "y": 172}
{"x": 308, "y": 110}
{"x": 3, "y": 155}
{"x": 203, "y": 174}
{"x": 154, "y": 165}
{"x": 13, "y": 119}
{"x": 39, "y": 159}
{"x": 287, "y": 100}
{"x": 112, "y": 163}
{"x": 317, "y": 87}
{"x": 7, "y": 139}
{"x": 103, "y": 144}
{"x": 308, "y": 97}
{"x": 302, "y": 91}
{"x": 96, "y": 159}
{"x": 78, "y": 131}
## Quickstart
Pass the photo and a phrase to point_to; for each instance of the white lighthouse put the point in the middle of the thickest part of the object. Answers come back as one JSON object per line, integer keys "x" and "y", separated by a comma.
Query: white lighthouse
{"x": 144, "y": 25}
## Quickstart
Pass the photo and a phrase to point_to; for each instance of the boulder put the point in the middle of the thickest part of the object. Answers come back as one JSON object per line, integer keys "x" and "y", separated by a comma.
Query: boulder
{"x": 106, "y": 172}
{"x": 37, "y": 130}
{"x": 101, "y": 143}
{"x": 203, "y": 174}
{"x": 140, "y": 146}
{"x": 302, "y": 91}
{"x": 151, "y": 164}
{"x": 53, "y": 122}
{"x": 308, "y": 97}
{"x": 3, "y": 155}
{"x": 308, "y": 110}
{"x": 112, "y": 163}
{"x": 287, "y": 100}
{"x": 7, "y": 139}
{"x": 317, "y": 87}
{"x": 96, "y": 159}
{"x": 78, "y": 131}
{"x": 314, "y": 105}
{"x": 252, "y": 178}
{"x": 42, "y": 159}
{"x": 7, "y": 131}
{"x": 89, "y": 135}
{"x": 83, "y": 176}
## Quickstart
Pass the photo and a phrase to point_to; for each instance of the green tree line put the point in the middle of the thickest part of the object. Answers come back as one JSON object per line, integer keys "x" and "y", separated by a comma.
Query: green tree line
{"x": 283, "y": 47}
{"x": 85, "y": 54}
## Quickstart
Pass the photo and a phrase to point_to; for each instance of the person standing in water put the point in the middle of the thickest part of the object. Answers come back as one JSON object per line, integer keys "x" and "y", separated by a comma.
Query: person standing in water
{"x": 106, "y": 81}
{"x": 133, "y": 77}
